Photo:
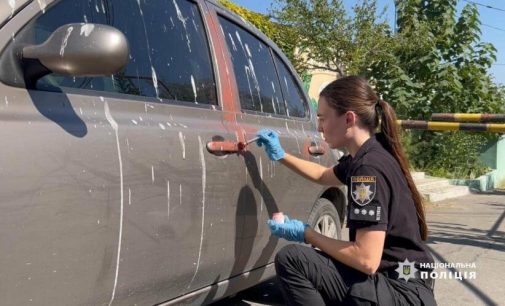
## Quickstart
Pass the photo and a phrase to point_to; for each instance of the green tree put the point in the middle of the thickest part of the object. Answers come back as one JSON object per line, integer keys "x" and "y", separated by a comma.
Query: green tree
{"x": 440, "y": 65}
{"x": 328, "y": 38}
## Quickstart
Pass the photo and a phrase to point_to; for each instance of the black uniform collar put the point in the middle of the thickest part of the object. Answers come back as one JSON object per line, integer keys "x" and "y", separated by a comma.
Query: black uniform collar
{"x": 365, "y": 147}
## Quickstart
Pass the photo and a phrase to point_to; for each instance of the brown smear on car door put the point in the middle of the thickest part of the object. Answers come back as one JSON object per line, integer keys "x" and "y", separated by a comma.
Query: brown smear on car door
{"x": 226, "y": 76}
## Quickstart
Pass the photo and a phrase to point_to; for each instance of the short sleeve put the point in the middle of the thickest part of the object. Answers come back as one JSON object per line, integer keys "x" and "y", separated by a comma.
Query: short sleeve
{"x": 369, "y": 198}
{"x": 342, "y": 168}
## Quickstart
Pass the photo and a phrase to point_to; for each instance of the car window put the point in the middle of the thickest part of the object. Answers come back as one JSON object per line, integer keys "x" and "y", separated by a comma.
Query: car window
{"x": 293, "y": 93}
{"x": 169, "y": 53}
{"x": 257, "y": 81}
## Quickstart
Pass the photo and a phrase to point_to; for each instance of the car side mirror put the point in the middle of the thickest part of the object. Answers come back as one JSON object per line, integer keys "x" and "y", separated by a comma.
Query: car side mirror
{"x": 76, "y": 49}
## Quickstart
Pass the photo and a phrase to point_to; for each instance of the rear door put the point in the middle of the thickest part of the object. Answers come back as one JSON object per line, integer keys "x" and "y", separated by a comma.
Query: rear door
{"x": 270, "y": 97}
{"x": 108, "y": 192}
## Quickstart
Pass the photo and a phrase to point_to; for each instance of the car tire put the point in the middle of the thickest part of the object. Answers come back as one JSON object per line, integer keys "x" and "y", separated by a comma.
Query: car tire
{"x": 324, "y": 219}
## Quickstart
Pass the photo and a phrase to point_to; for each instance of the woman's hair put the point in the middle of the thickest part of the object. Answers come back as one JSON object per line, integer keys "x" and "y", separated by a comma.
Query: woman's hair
{"x": 353, "y": 93}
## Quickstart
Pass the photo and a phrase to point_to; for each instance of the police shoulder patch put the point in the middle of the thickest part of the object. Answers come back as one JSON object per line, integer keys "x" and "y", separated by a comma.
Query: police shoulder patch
{"x": 363, "y": 189}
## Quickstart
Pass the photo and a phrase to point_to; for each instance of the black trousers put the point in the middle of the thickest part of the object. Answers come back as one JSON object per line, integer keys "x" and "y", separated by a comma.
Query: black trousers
{"x": 310, "y": 277}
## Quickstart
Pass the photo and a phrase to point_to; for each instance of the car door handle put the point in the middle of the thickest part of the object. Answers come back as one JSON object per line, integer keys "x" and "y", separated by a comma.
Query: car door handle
{"x": 316, "y": 150}
{"x": 223, "y": 147}
{"x": 219, "y": 146}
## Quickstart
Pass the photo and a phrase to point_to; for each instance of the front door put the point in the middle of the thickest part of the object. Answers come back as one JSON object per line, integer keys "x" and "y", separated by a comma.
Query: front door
{"x": 108, "y": 192}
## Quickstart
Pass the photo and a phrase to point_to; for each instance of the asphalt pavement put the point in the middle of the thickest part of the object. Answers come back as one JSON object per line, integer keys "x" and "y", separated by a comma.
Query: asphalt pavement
{"x": 467, "y": 236}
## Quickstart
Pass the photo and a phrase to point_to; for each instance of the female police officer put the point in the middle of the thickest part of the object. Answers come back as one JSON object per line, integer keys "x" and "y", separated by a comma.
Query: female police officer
{"x": 381, "y": 262}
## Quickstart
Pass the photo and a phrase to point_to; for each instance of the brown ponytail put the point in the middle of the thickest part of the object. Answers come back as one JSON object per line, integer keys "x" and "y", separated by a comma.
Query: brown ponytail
{"x": 390, "y": 140}
{"x": 353, "y": 93}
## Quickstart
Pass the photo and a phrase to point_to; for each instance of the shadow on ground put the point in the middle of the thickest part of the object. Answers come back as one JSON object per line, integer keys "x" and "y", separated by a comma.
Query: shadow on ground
{"x": 266, "y": 293}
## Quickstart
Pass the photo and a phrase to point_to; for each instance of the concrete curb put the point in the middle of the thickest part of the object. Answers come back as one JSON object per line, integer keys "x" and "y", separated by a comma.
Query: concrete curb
{"x": 435, "y": 189}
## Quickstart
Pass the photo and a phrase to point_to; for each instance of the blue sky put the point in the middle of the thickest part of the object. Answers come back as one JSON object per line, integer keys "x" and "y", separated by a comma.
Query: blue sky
{"x": 490, "y": 18}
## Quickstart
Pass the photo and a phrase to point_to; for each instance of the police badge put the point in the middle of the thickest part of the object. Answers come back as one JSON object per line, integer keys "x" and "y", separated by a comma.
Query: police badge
{"x": 406, "y": 270}
{"x": 363, "y": 189}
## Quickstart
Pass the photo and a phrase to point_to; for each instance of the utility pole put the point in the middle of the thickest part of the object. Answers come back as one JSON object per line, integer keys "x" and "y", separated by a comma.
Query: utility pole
{"x": 395, "y": 26}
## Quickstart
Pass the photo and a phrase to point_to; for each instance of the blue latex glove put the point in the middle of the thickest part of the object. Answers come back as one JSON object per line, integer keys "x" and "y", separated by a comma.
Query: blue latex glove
{"x": 273, "y": 147}
{"x": 292, "y": 230}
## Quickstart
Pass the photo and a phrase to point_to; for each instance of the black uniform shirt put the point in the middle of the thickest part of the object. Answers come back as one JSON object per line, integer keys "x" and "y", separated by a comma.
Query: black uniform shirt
{"x": 380, "y": 199}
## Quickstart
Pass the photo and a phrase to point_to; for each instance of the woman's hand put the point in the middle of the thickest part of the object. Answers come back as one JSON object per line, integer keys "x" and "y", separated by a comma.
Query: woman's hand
{"x": 272, "y": 144}
{"x": 292, "y": 230}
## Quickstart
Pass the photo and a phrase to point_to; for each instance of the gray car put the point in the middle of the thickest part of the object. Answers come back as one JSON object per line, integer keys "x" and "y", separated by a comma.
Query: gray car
{"x": 121, "y": 182}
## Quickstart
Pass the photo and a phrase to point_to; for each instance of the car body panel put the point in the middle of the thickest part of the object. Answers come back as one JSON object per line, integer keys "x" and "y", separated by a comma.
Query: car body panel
{"x": 9, "y": 8}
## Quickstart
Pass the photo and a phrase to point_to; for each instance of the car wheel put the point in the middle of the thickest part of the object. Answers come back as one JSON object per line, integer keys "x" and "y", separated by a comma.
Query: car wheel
{"x": 325, "y": 220}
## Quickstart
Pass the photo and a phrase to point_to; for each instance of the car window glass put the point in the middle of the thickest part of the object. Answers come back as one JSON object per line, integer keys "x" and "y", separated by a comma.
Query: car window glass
{"x": 169, "y": 53}
{"x": 257, "y": 80}
{"x": 294, "y": 96}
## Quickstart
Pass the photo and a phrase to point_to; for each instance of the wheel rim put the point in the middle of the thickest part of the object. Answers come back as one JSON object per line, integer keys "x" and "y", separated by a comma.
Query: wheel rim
{"x": 326, "y": 226}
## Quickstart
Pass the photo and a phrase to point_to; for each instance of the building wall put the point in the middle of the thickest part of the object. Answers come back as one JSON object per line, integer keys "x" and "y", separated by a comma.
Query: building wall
{"x": 491, "y": 158}
{"x": 318, "y": 81}
{"x": 500, "y": 163}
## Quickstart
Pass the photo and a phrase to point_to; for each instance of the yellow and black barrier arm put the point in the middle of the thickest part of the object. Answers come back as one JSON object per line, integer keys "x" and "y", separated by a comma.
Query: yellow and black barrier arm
{"x": 458, "y": 117}
{"x": 451, "y": 126}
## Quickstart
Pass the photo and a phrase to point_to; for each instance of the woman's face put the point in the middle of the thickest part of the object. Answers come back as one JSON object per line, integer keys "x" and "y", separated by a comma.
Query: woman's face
{"x": 331, "y": 125}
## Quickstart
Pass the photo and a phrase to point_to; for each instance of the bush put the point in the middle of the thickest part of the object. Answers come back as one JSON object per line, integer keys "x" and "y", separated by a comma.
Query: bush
{"x": 447, "y": 154}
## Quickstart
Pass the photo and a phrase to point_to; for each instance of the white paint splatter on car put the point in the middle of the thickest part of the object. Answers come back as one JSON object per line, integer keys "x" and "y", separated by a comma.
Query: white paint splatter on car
{"x": 155, "y": 81}
{"x": 239, "y": 39}
{"x": 261, "y": 184}
{"x": 232, "y": 41}
{"x": 115, "y": 127}
{"x": 183, "y": 21}
{"x": 194, "y": 87}
{"x": 273, "y": 106}
{"x": 249, "y": 84}
{"x": 247, "y": 50}
{"x": 12, "y": 4}
{"x": 87, "y": 28}
{"x": 153, "y": 72}
{"x": 168, "y": 199}
{"x": 183, "y": 145}
{"x": 204, "y": 183}
{"x": 298, "y": 144}
{"x": 65, "y": 41}
{"x": 250, "y": 69}
{"x": 42, "y": 5}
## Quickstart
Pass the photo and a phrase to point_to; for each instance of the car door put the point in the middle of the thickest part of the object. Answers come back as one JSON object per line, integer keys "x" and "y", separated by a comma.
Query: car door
{"x": 269, "y": 98}
{"x": 108, "y": 192}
